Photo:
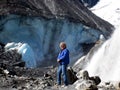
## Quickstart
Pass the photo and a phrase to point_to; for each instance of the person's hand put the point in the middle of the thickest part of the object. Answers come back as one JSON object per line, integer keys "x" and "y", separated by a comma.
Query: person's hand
{"x": 58, "y": 60}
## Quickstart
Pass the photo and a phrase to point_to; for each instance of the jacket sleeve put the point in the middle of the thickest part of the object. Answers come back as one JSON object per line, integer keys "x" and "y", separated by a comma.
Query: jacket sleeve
{"x": 62, "y": 55}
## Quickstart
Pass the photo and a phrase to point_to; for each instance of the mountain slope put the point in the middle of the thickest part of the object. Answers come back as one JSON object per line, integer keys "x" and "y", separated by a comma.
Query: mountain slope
{"x": 69, "y": 9}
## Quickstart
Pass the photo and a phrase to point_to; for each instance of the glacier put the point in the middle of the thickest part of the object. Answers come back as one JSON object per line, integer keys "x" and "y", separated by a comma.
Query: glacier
{"x": 26, "y": 52}
{"x": 44, "y": 36}
{"x": 43, "y": 24}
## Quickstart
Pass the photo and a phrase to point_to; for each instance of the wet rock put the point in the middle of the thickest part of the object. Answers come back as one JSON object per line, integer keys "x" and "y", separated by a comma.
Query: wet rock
{"x": 86, "y": 85}
{"x": 71, "y": 75}
{"x": 117, "y": 85}
{"x": 83, "y": 74}
{"x": 107, "y": 86}
{"x": 96, "y": 79}
{"x": 85, "y": 82}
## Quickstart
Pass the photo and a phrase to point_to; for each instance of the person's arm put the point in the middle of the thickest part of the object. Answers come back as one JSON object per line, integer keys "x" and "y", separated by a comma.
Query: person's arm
{"x": 62, "y": 55}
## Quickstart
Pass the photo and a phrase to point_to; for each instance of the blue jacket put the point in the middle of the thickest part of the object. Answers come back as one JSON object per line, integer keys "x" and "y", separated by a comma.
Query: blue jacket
{"x": 64, "y": 57}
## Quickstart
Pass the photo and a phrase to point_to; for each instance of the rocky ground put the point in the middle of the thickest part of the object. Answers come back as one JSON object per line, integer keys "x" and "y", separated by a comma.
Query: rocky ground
{"x": 48, "y": 82}
{"x": 15, "y": 76}
{"x": 27, "y": 79}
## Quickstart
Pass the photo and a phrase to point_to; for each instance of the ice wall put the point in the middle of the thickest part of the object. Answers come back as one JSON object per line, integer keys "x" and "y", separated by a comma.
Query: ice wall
{"x": 25, "y": 51}
{"x": 44, "y": 35}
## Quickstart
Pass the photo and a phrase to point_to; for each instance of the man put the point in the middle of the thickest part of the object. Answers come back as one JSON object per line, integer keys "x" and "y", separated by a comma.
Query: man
{"x": 63, "y": 60}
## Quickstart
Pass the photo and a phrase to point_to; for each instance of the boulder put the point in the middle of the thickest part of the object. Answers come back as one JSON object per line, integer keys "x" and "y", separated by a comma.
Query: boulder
{"x": 83, "y": 74}
{"x": 96, "y": 79}
{"x": 86, "y": 85}
{"x": 71, "y": 75}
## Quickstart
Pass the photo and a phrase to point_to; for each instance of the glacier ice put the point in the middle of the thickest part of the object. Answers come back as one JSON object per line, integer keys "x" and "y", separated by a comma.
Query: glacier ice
{"x": 43, "y": 36}
{"x": 25, "y": 51}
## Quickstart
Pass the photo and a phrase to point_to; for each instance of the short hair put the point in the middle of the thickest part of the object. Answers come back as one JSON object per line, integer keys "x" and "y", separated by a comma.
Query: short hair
{"x": 63, "y": 44}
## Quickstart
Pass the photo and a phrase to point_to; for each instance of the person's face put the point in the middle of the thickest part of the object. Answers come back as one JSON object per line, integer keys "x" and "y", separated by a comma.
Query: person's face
{"x": 62, "y": 46}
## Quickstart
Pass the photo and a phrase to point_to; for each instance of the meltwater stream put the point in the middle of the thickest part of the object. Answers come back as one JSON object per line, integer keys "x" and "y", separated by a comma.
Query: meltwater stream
{"x": 106, "y": 62}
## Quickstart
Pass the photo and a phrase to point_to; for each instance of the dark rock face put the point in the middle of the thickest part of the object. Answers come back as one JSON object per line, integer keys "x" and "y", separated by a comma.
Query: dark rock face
{"x": 55, "y": 9}
{"x": 9, "y": 59}
{"x": 96, "y": 79}
{"x": 71, "y": 75}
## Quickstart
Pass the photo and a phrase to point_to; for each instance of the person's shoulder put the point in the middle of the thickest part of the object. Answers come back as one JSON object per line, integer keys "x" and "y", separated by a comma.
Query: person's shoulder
{"x": 66, "y": 50}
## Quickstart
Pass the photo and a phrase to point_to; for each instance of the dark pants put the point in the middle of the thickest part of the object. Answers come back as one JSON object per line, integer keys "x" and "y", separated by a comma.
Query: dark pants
{"x": 62, "y": 71}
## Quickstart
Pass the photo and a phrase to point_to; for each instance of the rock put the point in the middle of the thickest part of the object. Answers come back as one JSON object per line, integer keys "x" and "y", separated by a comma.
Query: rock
{"x": 83, "y": 74}
{"x": 9, "y": 60}
{"x": 51, "y": 9}
{"x": 86, "y": 85}
{"x": 117, "y": 85}
{"x": 107, "y": 86}
{"x": 20, "y": 64}
{"x": 46, "y": 75}
{"x": 71, "y": 75}
{"x": 114, "y": 85}
{"x": 85, "y": 82}
{"x": 6, "y": 72}
{"x": 96, "y": 79}
{"x": 1, "y": 70}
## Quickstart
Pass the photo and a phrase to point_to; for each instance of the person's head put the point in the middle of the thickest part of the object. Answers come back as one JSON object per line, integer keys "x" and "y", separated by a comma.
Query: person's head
{"x": 63, "y": 45}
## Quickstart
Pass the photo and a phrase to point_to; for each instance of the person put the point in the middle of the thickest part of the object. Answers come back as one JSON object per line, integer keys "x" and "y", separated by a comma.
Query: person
{"x": 63, "y": 60}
